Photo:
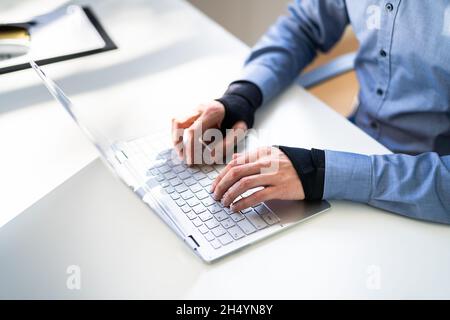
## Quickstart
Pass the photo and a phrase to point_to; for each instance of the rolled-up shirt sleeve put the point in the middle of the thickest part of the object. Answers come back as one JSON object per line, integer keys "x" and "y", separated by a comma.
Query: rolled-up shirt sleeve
{"x": 292, "y": 43}
{"x": 414, "y": 186}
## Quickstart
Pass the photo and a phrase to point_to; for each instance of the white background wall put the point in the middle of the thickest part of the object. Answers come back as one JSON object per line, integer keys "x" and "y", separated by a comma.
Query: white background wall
{"x": 246, "y": 19}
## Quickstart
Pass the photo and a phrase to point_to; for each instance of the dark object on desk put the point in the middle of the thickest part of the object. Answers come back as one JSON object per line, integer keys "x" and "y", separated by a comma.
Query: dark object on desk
{"x": 109, "y": 45}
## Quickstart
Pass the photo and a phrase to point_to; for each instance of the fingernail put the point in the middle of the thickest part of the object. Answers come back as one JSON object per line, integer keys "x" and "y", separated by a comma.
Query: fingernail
{"x": 233, "y": 208}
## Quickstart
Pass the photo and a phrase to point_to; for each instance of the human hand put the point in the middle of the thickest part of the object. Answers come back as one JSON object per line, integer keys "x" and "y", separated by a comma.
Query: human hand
{"x": 195, "y": 128}
{"x": 268, "y": 169}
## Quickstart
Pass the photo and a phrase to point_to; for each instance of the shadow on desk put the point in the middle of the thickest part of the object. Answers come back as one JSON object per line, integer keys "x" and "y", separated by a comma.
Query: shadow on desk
{"x": 150, "y": 63}
{"x": 93, "y": 222}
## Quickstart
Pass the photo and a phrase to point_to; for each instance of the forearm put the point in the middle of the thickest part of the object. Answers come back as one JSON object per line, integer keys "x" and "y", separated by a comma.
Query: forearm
{"x": 418, "y": 187}
{"x": 292, "y": 43}
{"x": 287, "y": 47}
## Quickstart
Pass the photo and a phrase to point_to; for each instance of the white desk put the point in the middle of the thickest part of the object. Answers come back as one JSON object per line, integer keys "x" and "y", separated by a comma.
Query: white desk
{"x": 123, "y": 250}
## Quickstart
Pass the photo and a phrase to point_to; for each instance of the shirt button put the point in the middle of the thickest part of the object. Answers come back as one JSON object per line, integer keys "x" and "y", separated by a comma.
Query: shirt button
{"x": 379, "y": 92}
{"x": 374, "y": 125}
{"x": 389, "y": 7}
{"x": 383, "y": 53}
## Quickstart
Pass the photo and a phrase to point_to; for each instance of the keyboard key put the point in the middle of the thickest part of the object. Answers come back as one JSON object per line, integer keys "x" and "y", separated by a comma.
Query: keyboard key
{"x": 199, "y": 209}
{"x": 191, "y": 215}
{"x": 170, "y": 190}
{"x": 208, "y": 201}
{"x": 227, "y": 223}
{"x": 205, "y": 183}
{"x": 215, "y": 244}
{"x": 212, "y": 223}
{"x": 214, "y": 208}
{"x": 205, "y": 216}
{"x": 187, "y": 195}
{"x": 207, "y": 169}
{"x": 236, "y": 232}
{"x": 178, "y": 169}
{"x": 175, "y": 196}
{"x": 246, "y": 226}
{"x": 164, "y": 184}
{"x": 184, "y": 175}
{"x": 225, "y": 239}
{"x": 246, "y": 210}
{"x": 193, "y": 170}
{"x": 269, "y": 217}
{"x": 171, "y": 163}
{"x": 175, "y": 182}
{"x": 195, "y": 188}
{"x": 159, "y": 177}
{"x": 199, "y": 175}
{"x": 169, "y": 175}
{"x": 185, "y": 208}
{"x": 209, "y": 236}
{"x": 192, "y": 202}
{"x": 221, "y": 215}
{"x": 203, "y": 229}
{"x": 262, "y": 209}
{"x": 158, "y": 163}
{"x": 218, "y": 231}
{"x": 228, "y": 210}
{"x": 259, "y": 207}
{"x": 256, "y": 220}
{"x": 202, "y": 194}
{"x": 212, "y": 175}
{"x": 190, "y": 181}
{"x": 237, "y": 216}
{"x": 181, "y": 188}
{"x": 163, "y": 169}
{"x": 197, "y": 222}
{"x": 180, "y": 202}
{"x": 152, "y": 172}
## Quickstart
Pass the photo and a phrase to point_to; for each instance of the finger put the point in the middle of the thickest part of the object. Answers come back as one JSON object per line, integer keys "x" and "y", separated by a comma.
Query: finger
{"x": 188, "y": 144}
{"x": 193, "y": 145}
{"x": 222, "y": 173}
{"x": 178, "y": 125}
{"x": 234, "y": 175}
{"x": 225, "y": 147}
{"x": 245, "y": 184}
{"x": 179, "y": 150}
{"x": 237, "y": 160}
{"x": 265, "y": 194}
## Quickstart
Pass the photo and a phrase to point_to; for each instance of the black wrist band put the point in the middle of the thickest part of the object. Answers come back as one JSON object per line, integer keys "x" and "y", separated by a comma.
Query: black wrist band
{"x": 247, "y": 90}
{"x": 310, "y": 168}
{"x": 241, "y": 100}
{"x": 236, "y": 109}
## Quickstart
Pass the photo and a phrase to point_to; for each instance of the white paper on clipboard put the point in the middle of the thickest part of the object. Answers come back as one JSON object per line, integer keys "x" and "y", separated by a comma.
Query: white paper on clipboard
{"x": 70, "y": 32}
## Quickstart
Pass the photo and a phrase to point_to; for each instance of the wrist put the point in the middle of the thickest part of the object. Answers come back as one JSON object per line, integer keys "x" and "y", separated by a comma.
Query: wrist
{"x": 310, "y": 168}
{"x": 240, "y": 102}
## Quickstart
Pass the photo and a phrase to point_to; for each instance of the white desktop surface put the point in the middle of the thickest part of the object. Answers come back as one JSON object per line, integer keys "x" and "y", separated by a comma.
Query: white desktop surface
{"x": 176, "y": 59}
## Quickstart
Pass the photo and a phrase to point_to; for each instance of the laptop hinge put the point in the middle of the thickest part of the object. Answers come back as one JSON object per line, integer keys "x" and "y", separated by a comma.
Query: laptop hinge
{"x": 192, "y": 242}
{"x": 120, "y": 156}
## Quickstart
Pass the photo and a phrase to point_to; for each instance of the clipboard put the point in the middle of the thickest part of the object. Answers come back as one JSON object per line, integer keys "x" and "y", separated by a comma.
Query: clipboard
{"x": 108, "y": 46}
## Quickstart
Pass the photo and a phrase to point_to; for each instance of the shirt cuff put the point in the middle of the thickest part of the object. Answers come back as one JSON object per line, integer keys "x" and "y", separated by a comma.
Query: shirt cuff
{"x": 348, "y": 176}
{"x": 310, "y": 168}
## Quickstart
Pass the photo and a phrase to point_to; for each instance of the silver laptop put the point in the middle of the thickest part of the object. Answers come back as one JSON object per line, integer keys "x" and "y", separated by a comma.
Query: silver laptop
{"x": 180, "y": 194}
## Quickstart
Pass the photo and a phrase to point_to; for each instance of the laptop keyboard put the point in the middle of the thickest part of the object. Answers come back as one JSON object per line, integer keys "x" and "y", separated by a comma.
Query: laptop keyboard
{"x": 189, "y": 188}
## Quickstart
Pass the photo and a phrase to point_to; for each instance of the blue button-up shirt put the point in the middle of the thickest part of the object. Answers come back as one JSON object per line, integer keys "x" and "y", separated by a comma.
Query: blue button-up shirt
{"x": 403, "y": 67}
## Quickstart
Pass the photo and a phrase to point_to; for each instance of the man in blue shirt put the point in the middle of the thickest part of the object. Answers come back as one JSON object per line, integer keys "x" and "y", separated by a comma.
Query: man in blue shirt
{"x": 403, "y": 68}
